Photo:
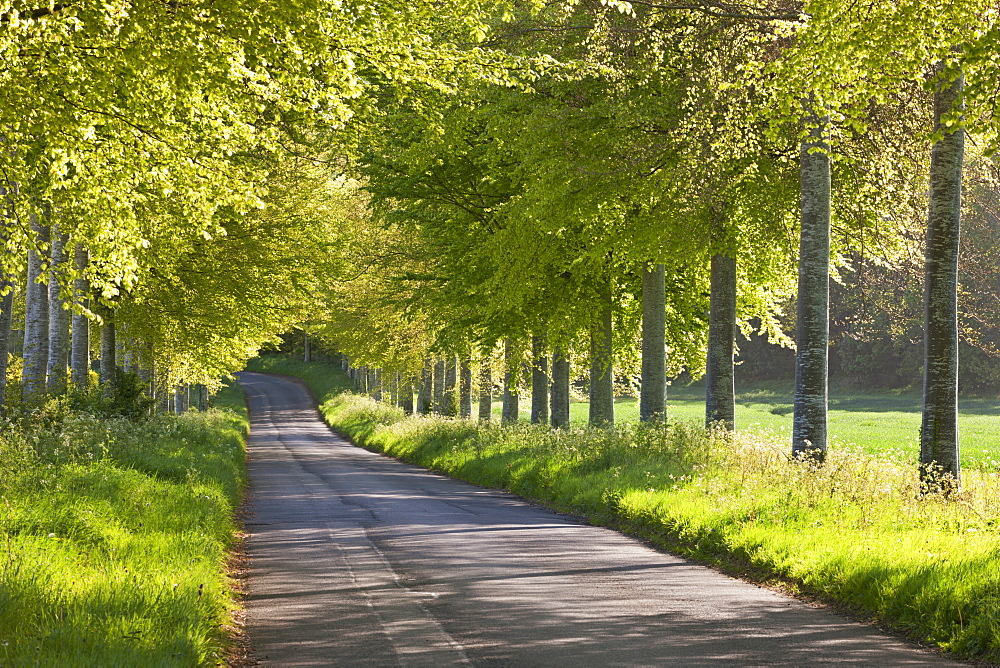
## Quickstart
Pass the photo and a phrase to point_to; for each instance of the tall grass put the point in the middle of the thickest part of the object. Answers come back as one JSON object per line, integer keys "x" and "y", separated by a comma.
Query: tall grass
{"x": 113, "y": 537}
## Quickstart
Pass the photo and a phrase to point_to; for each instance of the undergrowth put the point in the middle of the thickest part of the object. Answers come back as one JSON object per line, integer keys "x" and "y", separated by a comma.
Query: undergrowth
{"x": 857, "y": 531}
{"x": 113, "y": 537}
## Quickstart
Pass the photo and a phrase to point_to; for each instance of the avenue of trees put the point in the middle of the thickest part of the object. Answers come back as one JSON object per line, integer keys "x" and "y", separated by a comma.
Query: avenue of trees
{"x": 471, "y": 194}
{"x": 664, "y": 181}
{"x": 160, "y": 184}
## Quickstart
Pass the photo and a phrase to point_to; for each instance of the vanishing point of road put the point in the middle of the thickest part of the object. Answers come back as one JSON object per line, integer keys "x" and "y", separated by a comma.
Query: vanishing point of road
{"x": 361, "y": 560}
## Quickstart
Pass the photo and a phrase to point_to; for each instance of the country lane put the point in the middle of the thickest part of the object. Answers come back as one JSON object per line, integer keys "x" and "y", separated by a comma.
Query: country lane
{"x": 361, "y": 560}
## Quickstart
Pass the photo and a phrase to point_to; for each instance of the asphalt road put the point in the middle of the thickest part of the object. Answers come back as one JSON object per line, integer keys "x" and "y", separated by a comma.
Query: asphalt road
{"x": 360, "y": 560}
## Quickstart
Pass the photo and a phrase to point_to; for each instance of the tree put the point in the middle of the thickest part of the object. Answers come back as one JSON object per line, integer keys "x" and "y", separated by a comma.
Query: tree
{"x": 939, "y": 447}
{"x": 652, "y": 398}
{"x": 809, "y": 437}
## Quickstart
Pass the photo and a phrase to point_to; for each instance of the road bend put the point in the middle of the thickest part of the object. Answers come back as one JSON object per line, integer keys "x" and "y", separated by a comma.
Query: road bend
{"x": 361, "y": 560}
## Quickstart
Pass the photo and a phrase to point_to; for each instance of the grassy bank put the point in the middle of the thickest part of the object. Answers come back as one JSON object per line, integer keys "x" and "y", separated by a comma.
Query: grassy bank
{"x": 114, "y": 537}
{"x": 857, "y": 531}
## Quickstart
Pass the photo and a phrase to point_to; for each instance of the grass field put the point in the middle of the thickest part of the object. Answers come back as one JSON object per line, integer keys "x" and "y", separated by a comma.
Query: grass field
{"x": 114, "y": 537}
{"x": 857, "y": 531}
{"x": 875, "y": 422}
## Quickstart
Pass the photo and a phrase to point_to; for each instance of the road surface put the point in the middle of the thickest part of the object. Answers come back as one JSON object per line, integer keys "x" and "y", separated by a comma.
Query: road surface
{"x": 360, "y": 560}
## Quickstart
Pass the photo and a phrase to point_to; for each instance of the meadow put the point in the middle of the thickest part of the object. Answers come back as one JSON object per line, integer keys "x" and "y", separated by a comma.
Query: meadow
{"x": 859, "y": 532}
{"x": 114, "y": 537}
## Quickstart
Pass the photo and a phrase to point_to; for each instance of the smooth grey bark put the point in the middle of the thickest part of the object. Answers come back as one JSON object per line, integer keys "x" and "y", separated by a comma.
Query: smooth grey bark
{"x": 80, "y": 343}
{"x": 449, "y": 394}
{"x": 809, "y": 436}
{"x": 720, "y": 389}
{"x": 36, "y": 320}
{"x": 57, "y": 364}
{"x": 425, "y": 394}
{"x": 539, "y": 380}
{"x": 511, "y": 397}
{"x": 602, "y": 391}
{"x": 372, "y": 382}
{"x": 560, "y": 388}
{"x": 439, "y": 386}
{"x": 485, "y": 390}
{"x": 178, "y": 399}
{"x": 939, "y": 445}
{"x": 465, "y": 389}
{"x": 109, "y": 364}
{"x": 377, "y": 377}
{"x": 653, "y": 390}
{"x": 307, "y": 354}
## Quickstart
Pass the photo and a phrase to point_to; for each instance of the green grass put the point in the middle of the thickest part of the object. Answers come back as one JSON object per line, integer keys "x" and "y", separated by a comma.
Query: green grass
{"x": 114, "y": 538}
{"x": 876, "y": 422}
{"x": 857, "y": 531}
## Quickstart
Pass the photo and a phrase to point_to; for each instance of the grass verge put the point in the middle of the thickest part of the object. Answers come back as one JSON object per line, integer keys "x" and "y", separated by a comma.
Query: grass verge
{"x": 114, "y": 537}
{"x": 857, "y": 531}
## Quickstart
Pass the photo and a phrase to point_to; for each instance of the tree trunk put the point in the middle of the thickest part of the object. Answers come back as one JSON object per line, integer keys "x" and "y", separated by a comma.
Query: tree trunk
{"x": 80, "y": 345}
{"x": 36, "y": 321}
{"x": 485, "y": 390}
{"x": 146, "y": 371}
{"x": 465, "y": 389}
{"x": 7, "y": 278}
{"x": 425, "y": 393}
{"x": 178, "y": 399}
{"x": 406, "y": 394}
{"x": 109, "y": 365}
{"x": 560, "y": 388}
{"x": 6, "y": 315}
{"x": 510, "y": 412}
{"x": 812, "y": 330}
{"x": 539, "y": 380}
{"x": 449, "y": 395}
{"x": 307, "y": 355}
{"x": 939, "y": 451}
{"x": 59, "y": 318}
{"x": 653, "y": 392}
{"x": 131, "y": 357}
{"x": 377, "y": 377}
{"x": 439, "y": 386}
{"x": 602, "y": 390}
{"x": 720, "y": 398}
